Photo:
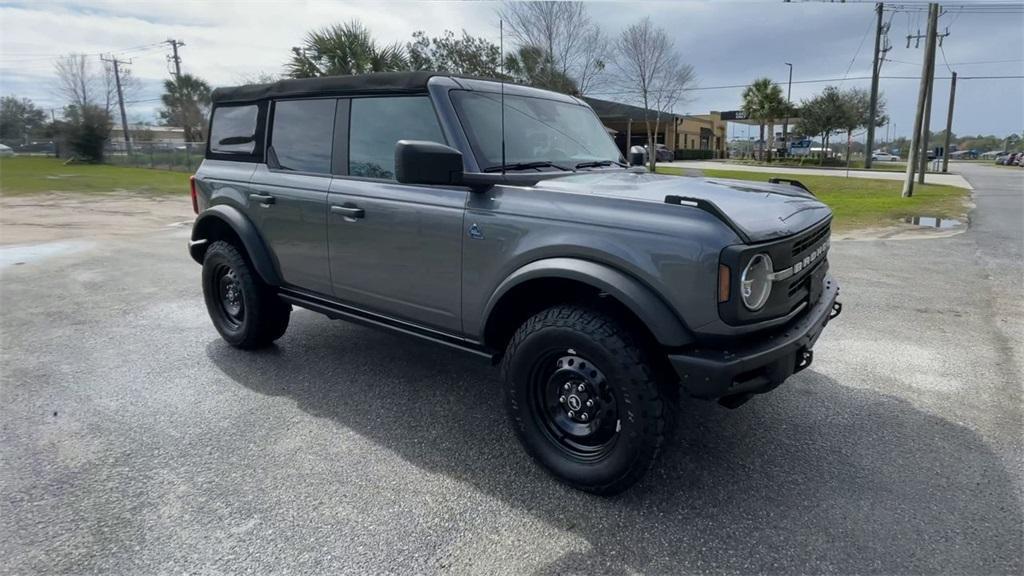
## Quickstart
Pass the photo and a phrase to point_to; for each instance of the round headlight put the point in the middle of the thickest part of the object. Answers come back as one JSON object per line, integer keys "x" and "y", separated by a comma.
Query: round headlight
{"x": 756, "y": 283}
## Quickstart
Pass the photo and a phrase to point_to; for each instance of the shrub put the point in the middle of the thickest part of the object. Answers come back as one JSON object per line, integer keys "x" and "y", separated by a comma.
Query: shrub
{"x": 682, "y": 154}
{"x": 87, "y": 131}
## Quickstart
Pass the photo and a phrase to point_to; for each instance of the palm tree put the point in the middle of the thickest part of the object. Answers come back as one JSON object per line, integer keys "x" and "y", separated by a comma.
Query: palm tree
{"x": 533, "y": 66}
{"x": 344, "y": 49}
{"x": 763, "y": 101}
{"x": 187, "y": 104}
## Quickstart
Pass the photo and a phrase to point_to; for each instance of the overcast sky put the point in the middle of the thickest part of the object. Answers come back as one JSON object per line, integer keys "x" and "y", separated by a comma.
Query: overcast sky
{"x": 727, "y": 43}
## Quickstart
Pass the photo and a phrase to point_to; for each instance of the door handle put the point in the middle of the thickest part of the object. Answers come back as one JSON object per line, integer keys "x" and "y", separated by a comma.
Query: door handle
{"x": 348, "y": 211}
{"x": 264, "y": 199}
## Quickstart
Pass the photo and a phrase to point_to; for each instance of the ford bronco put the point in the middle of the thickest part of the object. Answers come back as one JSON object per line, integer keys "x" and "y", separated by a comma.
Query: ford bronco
{"x": 502, "y": 221}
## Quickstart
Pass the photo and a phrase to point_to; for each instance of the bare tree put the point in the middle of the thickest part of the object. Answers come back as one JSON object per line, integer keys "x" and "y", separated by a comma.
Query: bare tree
{"x": 652, "y": 74}
{"x": 82, "y": 82}
{"x": 76, "y": 81}
{"x": 574, "y": 46}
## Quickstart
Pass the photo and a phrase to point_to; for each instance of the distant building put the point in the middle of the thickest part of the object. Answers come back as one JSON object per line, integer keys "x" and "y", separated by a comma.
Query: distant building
{"x": 144, "y": 133}
{"x": 676, "y": 131}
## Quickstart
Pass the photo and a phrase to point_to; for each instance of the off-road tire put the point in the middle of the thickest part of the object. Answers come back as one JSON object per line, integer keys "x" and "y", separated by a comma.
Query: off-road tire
{"x": 568, "y": 332}
{"x": 262, "y": 316}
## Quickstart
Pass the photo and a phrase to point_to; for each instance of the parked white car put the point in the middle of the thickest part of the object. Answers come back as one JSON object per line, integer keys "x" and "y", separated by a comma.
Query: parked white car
{"x": 885, "y": 157}
{"x": 6, "y": 151}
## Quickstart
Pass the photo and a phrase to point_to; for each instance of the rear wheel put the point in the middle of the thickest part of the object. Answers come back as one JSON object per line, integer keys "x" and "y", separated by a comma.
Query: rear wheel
{"x": 245, "y": 311}
{"x": 583, "y": 399}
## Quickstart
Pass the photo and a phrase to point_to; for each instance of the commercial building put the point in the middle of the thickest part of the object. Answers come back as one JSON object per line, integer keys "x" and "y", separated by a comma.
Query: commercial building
{"x": 705, "y": 132}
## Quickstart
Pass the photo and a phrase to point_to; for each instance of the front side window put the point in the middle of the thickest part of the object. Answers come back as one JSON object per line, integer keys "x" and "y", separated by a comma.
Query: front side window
{"x": 303, "y": 135}
{"x": 233, "y": 129}
{"x": 378, "y": 123}
{"x": 536, "y": 130}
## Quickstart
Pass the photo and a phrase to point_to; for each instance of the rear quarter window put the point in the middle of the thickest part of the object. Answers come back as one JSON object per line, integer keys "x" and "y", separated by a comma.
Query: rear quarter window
{"x": 236, "y": 132}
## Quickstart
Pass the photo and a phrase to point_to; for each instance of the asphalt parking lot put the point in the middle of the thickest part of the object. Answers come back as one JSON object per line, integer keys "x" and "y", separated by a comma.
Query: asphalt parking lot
{"x": 134, "y": 441}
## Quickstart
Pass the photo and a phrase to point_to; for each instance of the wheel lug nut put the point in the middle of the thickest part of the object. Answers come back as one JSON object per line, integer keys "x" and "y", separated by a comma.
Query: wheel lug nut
{"x": 581, "y": 388}
{"x": 571, "y": 414}
{"x": 590, "y": 403}
{"x": 566, "y": 387}
{"x": 561, "y": 399}
{"x": 584, "y": 416}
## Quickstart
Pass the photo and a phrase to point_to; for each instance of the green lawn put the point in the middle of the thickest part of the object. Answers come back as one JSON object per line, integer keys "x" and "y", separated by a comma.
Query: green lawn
{"x": 865, "y": 203}
{"x": 34, "y": 174}
{"x": 831, "y": 165}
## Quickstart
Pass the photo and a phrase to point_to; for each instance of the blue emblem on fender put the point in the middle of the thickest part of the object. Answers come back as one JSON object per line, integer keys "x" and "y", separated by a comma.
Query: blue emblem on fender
{"x": 475, "y": 232}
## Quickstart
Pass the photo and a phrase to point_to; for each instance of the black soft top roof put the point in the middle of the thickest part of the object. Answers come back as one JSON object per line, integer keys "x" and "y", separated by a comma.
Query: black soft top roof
{"x": 383, "y": 82}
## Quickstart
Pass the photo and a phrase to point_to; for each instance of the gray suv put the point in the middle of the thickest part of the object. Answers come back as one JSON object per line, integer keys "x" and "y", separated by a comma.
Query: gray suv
{"x": 500, "y": 220}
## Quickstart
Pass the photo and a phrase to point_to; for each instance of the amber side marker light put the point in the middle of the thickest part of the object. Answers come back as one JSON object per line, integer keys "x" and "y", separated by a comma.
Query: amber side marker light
{"x": 192, "y": 191}
{"x": 723, "y": 283}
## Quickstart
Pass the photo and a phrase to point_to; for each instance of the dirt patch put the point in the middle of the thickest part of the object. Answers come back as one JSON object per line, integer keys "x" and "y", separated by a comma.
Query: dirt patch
{"x": 63, "y": 216}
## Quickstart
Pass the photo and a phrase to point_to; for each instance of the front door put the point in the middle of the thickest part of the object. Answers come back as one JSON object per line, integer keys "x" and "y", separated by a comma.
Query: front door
{"x": 395, "y": 249}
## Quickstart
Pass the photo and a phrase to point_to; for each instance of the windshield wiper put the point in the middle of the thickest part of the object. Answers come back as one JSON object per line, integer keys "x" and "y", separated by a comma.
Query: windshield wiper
{"x": 599, "y": 163}
{"x": 526, "y": 166}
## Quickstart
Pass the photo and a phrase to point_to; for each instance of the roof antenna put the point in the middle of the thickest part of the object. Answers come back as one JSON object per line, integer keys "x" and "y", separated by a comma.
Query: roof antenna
{"x": 501, "y": 49}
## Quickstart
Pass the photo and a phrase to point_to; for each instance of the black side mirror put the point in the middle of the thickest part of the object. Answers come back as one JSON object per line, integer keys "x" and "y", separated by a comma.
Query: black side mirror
{"x": 422, "y": 162}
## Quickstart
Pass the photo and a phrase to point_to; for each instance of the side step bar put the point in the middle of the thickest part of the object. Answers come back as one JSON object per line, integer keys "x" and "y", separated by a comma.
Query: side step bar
{"x": 337, "y": 310}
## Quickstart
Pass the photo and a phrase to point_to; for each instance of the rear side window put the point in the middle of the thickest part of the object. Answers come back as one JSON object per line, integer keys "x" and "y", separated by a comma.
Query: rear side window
{"x": 234, "y": 130}
{"x": 378, "y": 123}
{"x": 302, "y": 135}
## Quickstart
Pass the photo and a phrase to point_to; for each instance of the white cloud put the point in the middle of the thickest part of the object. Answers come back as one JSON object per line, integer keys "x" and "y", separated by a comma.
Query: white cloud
{"x": 727, "y": 42}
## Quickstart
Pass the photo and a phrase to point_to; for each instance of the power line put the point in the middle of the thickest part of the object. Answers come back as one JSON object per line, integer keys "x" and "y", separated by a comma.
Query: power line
{"x": 816, "y": 81}
{"x": 944, "y": 61}
{"x": 871, "y": 24}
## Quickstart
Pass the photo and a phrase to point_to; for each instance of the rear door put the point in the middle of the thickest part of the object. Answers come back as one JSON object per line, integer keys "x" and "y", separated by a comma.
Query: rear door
{"x": 289, "y": 191}
{"x": 395, "y": 249}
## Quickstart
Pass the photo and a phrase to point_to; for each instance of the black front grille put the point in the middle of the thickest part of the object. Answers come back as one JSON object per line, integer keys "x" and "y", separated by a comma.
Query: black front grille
{"x": 799, "y": 290}
{"x": 811, "y": 240}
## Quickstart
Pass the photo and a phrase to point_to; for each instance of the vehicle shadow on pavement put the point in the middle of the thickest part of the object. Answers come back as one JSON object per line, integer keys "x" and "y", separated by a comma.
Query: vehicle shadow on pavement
{"x": 815, "y": 477}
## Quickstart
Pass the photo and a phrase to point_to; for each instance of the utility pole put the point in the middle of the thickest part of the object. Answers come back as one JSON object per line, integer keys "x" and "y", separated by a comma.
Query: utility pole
{"x": 922, "y": 94}
{"x": 926, "y": 124}
{"x": 120, "y": 99}
{"x": 936, "y": 40}
{"x": 175, "y": 44}
{"x": 785, "y": 125}
{"x": 875, "y": 71}
{"x": 949, "y": 123}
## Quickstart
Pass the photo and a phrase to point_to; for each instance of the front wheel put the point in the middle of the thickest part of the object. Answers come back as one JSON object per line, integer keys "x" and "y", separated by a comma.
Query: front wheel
{"x": 583, "y": 399}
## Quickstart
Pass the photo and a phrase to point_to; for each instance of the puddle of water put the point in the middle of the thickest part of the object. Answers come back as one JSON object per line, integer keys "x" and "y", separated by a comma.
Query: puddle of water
{"x": 933, "y": 222}
{"x": 18, "y": 255}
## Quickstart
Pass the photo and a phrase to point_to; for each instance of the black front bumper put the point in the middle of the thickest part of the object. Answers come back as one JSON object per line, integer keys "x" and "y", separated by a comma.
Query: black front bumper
{"x": 758, "y": 365}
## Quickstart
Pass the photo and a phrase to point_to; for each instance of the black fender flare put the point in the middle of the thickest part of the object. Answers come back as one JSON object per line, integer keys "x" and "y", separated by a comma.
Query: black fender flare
{"x": 663, "y": 323}
{"x": 246, "y": 231}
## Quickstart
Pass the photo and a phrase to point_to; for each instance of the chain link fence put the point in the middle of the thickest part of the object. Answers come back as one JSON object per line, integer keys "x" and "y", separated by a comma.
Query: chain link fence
{"x": 179, "y": 156}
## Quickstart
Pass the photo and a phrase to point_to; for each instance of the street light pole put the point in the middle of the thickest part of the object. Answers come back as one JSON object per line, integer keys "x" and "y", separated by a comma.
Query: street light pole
{"x": 785, "y": 125}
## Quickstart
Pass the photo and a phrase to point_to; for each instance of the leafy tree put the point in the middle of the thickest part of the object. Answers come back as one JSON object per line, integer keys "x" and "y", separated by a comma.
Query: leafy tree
{"x": 344, "y": 49}
{"x": 823, "y": 115}
{"x": 763, "y": 101}
{"x": 20, "y": 119}
{"x": 530, "y": 65}
{"x": 856, "y": 112}
{"x": 652, "y": 73}
{"x": 87, "y": 129}
{"x": 454, "y": 54}
{"x": 186, "y": 102}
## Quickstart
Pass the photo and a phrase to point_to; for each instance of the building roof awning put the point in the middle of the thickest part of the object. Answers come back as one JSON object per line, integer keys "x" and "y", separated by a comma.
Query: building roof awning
{"x": 740, "y": 117}
{"x": 617, "y": 111}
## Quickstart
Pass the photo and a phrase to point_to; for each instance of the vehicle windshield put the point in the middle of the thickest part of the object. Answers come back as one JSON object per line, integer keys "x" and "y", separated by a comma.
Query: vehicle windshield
{"x": 537, "y": 131}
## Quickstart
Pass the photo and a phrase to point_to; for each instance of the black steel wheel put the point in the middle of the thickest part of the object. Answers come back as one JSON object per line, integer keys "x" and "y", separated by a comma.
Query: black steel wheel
{"x": 245, "y": 311}
{"x": 583, "y": 399}
{"x": 575, "y": 405}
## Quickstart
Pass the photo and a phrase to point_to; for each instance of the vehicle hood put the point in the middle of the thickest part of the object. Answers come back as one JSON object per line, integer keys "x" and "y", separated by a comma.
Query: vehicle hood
{"x": 759, "y": 210}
